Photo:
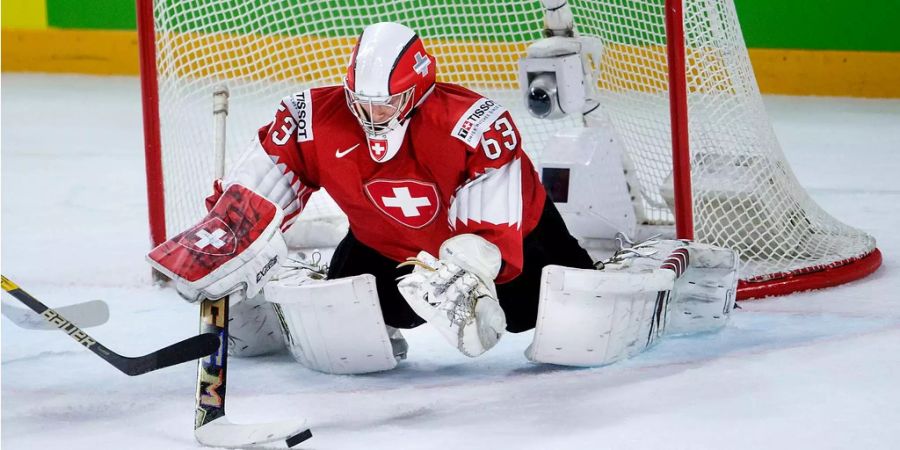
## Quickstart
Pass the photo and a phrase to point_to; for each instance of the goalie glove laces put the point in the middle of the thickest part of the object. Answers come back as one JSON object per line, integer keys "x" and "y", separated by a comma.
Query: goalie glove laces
{"x": 460, "y": 309}
{"x": 629, "y": 249}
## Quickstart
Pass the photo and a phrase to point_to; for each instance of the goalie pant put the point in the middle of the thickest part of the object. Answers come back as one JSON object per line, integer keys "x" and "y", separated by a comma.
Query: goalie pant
{"x": 548, "y": 243}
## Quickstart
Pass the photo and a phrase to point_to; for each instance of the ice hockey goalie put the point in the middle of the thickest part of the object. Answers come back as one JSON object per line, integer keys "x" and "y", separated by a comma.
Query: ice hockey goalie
{"x": 438, "y": 192}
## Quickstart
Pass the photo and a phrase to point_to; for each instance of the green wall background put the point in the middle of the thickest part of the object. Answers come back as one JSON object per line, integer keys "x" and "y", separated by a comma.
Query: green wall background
{"x": 869, "y": 25}
{"x": 92, "y": 14}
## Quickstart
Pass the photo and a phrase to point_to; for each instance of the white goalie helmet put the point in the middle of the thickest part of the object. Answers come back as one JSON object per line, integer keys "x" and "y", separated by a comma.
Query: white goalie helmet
{"x": 390, "y": 73}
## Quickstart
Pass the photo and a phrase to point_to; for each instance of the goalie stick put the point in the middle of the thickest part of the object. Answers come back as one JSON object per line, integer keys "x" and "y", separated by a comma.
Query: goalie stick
{"x": 84, "y": 315}
{"x": 189, "y": 349}
{"x": 211, "y": 425}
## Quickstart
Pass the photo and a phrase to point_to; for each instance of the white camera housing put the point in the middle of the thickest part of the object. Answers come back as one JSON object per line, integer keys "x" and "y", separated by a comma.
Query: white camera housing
{"x": 551, "y": 78}
{"x": 583, "y": 171}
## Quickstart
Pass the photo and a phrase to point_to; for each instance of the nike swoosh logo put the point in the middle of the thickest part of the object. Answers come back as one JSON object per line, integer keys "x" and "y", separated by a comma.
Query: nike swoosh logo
{"x": 340, "y": 154}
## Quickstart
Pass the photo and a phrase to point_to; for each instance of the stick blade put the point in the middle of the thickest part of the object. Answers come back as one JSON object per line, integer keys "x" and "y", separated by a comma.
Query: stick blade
{"x": 83, "y": 315}
{"x": 222, "y": 432}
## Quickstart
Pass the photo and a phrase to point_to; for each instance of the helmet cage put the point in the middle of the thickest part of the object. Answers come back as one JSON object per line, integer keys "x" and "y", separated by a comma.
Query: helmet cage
{"x": 378, "y": 115}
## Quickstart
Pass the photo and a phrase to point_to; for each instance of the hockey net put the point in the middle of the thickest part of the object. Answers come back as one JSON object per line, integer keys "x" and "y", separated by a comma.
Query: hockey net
{"x": 744, "y": 194}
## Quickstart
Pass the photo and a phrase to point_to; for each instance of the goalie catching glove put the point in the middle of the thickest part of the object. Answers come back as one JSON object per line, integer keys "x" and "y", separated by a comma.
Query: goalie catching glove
{"x": 456, "y": 293}
{"x": 238, "y": 245}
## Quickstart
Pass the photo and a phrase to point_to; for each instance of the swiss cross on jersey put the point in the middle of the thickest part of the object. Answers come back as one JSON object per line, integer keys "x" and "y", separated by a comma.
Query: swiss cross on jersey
{"x": 410, "y": 202}
{"x": 378, "y": 148}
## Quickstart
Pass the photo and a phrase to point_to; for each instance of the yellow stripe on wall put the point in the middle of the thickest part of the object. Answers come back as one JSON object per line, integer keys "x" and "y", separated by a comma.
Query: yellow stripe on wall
{"x": 826, "y": 72}
{"x": 95, "y": 52}
{"x": 251, "y": 57}
{"x": 778, "y": 71}
{"x": 24, "y": 14}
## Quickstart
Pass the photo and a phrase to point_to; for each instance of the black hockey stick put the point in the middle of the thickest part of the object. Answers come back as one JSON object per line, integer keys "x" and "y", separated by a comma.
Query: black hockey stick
{"x": 189, "y": 349}
{"x": 211, "y": 425}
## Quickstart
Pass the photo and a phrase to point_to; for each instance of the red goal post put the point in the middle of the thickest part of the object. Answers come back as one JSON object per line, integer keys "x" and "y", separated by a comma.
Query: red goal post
{"x": 773, "y": 284}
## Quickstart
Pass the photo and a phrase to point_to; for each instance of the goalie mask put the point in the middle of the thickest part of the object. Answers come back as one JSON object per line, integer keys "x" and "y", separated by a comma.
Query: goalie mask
{"x": 389, "y": 75}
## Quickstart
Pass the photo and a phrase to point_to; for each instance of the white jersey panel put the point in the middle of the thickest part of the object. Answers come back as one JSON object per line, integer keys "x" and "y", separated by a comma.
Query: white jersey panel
{"x": 495, "y": 197}
{"x": 264, "y": 174}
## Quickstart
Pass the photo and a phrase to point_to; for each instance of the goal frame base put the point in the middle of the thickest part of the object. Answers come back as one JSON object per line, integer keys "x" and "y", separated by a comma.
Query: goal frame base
{"x": 836, "y": 274}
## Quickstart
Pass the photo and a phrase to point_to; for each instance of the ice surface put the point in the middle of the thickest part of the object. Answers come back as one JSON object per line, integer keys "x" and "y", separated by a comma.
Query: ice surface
{"x": 811, "y": 370}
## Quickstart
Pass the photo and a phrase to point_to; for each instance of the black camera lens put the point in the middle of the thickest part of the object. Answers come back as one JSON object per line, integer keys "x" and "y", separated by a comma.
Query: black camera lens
{"x": 539, "y": 102}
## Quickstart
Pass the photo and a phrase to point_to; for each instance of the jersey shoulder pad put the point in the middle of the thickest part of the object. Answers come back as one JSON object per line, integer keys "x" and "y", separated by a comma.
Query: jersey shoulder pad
{"x": 300, "y": 107}
{"x": 472, "y": 121}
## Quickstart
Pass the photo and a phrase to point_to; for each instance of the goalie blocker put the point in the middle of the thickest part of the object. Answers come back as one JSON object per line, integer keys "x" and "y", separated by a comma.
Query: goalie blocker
{"x": 238, "y": 245}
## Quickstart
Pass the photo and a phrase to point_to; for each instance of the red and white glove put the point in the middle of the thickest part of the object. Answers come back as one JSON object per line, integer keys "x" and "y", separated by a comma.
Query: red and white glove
{"x": 238, "y": 245}
{"x": 456, "y": 293}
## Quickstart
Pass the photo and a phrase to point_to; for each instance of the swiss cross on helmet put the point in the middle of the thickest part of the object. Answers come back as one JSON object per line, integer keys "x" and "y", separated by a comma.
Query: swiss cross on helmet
{"x": 390, "y": 73}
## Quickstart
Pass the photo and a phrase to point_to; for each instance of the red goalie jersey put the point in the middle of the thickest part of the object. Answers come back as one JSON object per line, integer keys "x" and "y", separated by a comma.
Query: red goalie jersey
{"x": 460, "y": 168}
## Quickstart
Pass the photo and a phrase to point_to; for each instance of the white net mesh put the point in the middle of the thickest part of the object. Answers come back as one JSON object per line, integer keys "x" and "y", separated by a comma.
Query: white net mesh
{"x": 745, "y": 195}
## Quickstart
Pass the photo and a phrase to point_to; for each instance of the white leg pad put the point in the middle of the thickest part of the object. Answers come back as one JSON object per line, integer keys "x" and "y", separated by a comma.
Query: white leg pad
{"x": 596, "y": 317}
{"x": 254, "y": 328}
{"x": 592, "y": 317}
{"x": 704, "y": 294}
{"x": 336, "y": 326}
